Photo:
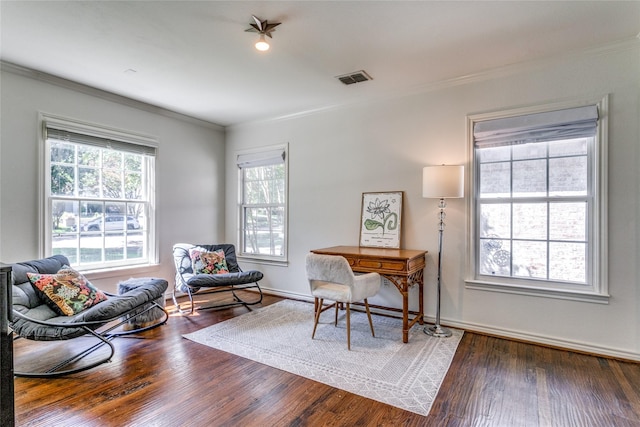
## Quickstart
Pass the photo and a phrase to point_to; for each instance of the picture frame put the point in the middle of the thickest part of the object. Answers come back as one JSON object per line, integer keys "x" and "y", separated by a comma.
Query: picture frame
{"x": 381, "y": 219}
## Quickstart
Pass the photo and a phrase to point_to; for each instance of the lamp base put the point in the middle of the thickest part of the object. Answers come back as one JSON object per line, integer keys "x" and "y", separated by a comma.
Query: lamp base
{"x": 437, "y": 331}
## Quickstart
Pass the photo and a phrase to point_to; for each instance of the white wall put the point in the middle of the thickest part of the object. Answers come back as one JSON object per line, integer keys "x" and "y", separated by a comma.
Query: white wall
{"x": 189, "y": 166}
{"x": 336, "y": 155}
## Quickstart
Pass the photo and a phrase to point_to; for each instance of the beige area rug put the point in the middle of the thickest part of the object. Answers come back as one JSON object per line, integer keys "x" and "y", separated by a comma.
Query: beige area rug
{"x": 383, "y": 368}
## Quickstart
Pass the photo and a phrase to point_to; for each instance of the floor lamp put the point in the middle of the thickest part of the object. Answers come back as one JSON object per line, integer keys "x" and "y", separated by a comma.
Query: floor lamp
{"x": 441, "y": 182}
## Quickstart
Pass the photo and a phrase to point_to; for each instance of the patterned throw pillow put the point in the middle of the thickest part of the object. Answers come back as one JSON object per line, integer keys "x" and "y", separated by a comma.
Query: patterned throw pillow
{"x": 205, "y": 262}
{"x": 67, "y": 292}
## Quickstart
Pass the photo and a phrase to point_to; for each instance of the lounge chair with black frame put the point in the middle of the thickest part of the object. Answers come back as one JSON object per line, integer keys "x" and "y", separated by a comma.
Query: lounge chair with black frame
{"x": 37, "y": 316}
{"x": 212, "y": 269}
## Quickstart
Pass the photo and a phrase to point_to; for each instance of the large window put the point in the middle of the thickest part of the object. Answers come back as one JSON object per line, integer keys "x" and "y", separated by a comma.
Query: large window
{"x": 99, "y": 196}
{"x": 537, "y": 205}
{"x": 263, "y": 203}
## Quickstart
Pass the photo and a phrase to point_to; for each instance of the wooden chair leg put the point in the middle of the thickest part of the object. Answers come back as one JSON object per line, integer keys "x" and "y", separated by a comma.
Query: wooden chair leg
{"x": 335, "y": 322}
{"x": 366, "y": 305}
{"x": 348, "y": 327}
{"x": 318, "y": 311}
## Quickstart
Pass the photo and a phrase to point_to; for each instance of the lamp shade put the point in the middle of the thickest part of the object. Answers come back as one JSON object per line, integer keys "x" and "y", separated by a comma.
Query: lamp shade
{"x": 442, "y": 182}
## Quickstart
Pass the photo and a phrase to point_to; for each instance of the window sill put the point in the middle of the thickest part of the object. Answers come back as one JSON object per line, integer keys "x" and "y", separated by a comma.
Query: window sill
{"x": 582, "y": 296}
{"x": 265, "y": 261}
{"x": 135, "y": 270}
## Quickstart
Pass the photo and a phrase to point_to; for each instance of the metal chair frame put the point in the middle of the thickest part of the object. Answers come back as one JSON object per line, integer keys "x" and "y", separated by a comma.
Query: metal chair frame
{"x": 91, "y": 328}
{"x": 232, "y": 288}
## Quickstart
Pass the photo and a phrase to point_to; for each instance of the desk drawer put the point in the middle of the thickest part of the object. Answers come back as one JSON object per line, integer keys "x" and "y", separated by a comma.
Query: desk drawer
{"x": 380, "y": 264}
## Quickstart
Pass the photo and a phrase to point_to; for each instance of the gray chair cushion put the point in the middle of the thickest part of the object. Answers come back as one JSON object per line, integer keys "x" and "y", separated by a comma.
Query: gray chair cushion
{"x": 27, "y": 302}
{"x": 185, "y": 277}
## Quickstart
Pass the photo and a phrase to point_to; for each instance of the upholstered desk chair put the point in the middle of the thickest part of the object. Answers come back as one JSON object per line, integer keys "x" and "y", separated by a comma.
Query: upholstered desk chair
{"x": 330, "y": 277}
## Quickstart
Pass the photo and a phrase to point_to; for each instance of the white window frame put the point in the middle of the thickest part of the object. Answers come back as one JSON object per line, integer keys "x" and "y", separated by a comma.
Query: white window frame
{"x": 596, "y": 289}
{"x": 257, "y": 157}
{"x": 118, "y": 137}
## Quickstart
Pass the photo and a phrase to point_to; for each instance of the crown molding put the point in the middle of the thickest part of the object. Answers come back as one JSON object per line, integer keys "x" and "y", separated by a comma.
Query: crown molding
{"x": 504, "y": 71}
{"x": 103, "y": 94}
{"x": 536, "y": 64}
{"x": 499, "y": 72}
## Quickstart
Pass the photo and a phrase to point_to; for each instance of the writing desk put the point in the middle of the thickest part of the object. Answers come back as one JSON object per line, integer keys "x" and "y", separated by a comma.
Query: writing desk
{"x": 402, "y": 267}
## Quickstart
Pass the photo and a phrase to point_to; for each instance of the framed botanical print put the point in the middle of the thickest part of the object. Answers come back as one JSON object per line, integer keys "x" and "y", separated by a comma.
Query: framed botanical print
{"x": 381, "y": 220}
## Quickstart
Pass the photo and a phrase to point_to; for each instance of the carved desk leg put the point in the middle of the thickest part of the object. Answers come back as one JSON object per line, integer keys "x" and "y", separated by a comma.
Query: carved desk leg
{"x": 417, "y": 278}
{"x": 405, "y": 309}
{"x": 401, "y": 283}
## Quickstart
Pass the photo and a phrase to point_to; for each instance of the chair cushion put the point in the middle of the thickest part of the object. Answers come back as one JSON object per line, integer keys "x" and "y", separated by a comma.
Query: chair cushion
{"x": 187, "y": 280}
{"x": 28, "y": 303}
{"x": 149, "y": 289}
{"x": 213, "y": 280}
{"x": 67, "y": 292}
{"x": 25, "y": 297}
{"x": 208, "y": 262}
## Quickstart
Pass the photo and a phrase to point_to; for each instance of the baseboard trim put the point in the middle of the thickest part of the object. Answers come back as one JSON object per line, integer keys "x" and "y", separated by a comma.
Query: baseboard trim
{"x": 560, "y": 344}
{"x": 575, "y": 346}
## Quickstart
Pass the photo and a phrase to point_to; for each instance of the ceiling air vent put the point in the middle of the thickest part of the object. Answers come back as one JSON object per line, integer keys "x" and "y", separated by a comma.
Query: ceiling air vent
{"x": 355, "y": 77}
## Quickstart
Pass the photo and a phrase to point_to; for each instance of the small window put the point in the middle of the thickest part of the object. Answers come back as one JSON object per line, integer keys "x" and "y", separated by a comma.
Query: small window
{"x": 99, "y": 196}
{"x": 263, "y": 203}
{"x": 537, "y": 202}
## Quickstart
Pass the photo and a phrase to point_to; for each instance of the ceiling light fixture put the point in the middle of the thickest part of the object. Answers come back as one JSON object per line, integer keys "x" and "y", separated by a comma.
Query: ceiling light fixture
{"x": 264, "y": 28}
{"x": 262, "y": 44}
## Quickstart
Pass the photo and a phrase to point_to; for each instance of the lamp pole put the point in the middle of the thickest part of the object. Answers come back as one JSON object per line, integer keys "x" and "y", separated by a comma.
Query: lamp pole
{"x": 437, "y": 330}
{"x": 441, "y": 182}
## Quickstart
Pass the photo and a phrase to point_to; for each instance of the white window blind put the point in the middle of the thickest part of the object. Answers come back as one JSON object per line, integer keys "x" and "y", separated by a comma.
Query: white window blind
{"x": 134, "y": 147}
{"x": 260, "y": 158}
{"x": 569, "y": 123}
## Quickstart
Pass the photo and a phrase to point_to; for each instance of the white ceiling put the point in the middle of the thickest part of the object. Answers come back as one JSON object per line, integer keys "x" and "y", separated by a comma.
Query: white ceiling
{"x": 194, "y": 57}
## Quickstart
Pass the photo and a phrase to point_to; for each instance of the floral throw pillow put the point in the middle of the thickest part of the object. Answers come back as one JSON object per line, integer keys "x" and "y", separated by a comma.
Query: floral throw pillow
{"x": 67, "y": 292}
{"x": 206, "y": 262}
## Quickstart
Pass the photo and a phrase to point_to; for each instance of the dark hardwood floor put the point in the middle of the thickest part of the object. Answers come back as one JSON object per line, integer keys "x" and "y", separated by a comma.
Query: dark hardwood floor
{"x": 166, "y": 380}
